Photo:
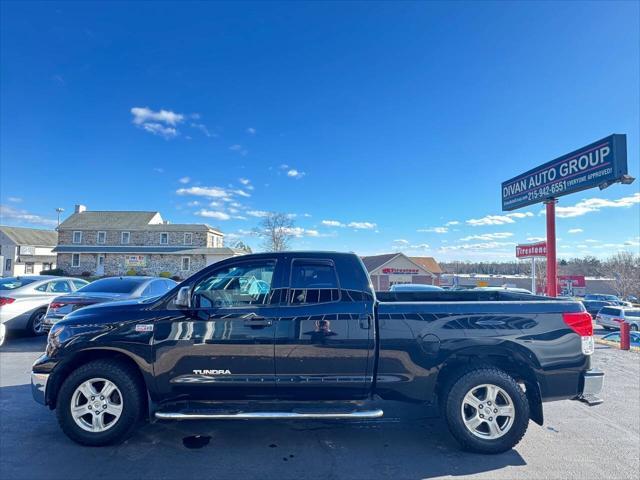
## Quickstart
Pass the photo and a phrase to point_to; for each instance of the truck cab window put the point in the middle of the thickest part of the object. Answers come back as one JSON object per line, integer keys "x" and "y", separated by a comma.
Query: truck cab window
{"x": 235, "y": 286}
{"x": 313, "y": 281}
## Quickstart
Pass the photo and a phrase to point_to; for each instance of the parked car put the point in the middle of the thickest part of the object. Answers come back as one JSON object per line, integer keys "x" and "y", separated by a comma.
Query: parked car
{"x": 106, "y": 290}
{"x": 24, "y": 299}
{"x": 301, "y": 336}
{"x": 594, "y": 306}
{"x": 505, "y": 289}
{"x": 415, "y": 287}
{"x": 615, "y": 337}
{"x": 611, "y": 317}
{"x": 602, "y": 297}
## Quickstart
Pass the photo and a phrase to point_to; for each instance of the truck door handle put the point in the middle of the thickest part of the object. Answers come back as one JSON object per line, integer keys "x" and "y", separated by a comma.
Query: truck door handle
{"x": 258, "y": 322}
{"x": 364, "y": 321}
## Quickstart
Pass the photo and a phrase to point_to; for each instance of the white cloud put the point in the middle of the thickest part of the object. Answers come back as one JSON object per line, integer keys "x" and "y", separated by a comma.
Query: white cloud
{"x": 434, "y": 230}
{"x": 160, "y": 123}
{"x": 401, "y": 241}
{"x": 408, "y": 247}
{"x": 535, "y": 239}
{"x": 302, "y": 232}
{"x": 158, "y": 170}
{"x": 497, "y": 219}
{"x": 14, "y": 199}
{"x": 575, "y": 230}
{"x": 332, "y": 223}
{"x": 194, "y": 203}
{"x": 451, "y": 223}
{"x": 214, "y": 192}
{"x": 293, "y": 173}
{"x": 242, "y": 193}
{"x": 142, "y": 115}
{"x": 362, "y": 225}
{"x": 184, "y": 180}
{"x": 478, "y": 246}
{"x": 239, "y": 149}
{"x": 594, "y": 205}
{"x": 488, "y": 236}
{"x": 257, "y": 213}
{"x": 213, "y": 214}
{"x": 591, "y": 240}
{"x": 203, "y": 128}
{"x": 251, "y": 131}
{"x": 244, "y": 181}
{"x": 22, "y": 216}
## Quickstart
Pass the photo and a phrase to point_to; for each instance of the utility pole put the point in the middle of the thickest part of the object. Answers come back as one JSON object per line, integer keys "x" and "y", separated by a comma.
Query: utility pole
{"x": 59, "y": 211}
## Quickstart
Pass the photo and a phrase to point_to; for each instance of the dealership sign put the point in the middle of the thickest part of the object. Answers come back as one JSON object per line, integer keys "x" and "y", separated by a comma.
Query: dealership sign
{"x": 530, "y": 250}
{"x": 602, "y": 162}
{"x": 401, "y": 271}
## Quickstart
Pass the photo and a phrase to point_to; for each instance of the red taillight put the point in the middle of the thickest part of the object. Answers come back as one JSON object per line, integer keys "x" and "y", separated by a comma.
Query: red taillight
{"x": 56, "y": 305}
{"x": 579, "y": 322}
{"x": 6, "y": 300}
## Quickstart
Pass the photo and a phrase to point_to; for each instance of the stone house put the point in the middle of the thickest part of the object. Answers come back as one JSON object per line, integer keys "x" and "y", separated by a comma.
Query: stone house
{"x": 26, "y": 251}
{"x": 116, "y": 242}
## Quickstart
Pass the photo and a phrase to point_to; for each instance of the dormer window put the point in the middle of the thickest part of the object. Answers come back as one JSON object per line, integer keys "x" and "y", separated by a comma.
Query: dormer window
{"x": 125, "y": 237}
{"x": 77, "y": 237}
{"x": 188, "y": 238}
{"x": 164, "y": 238}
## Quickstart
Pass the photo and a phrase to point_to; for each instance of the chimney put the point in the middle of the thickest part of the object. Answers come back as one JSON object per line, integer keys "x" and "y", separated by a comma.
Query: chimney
{"x": 80, "y": 208}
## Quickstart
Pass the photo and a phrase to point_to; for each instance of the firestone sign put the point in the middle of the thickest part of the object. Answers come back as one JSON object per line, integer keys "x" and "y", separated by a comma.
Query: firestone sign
{"x": 531, "y": 250}
{"x": 600, "y": 163}
{"x": 401, "y": 271}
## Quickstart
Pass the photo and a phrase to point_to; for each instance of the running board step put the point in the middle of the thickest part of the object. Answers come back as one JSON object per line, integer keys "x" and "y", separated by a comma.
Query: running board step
{"x": 204, "y": 415}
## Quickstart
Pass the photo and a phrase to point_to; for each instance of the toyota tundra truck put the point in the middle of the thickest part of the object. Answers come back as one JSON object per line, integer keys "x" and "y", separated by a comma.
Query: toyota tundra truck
{"x": 303, "y": 335}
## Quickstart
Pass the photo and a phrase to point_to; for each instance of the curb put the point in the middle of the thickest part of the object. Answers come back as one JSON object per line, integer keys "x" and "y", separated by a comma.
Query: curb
{"x": 616, "y": 345}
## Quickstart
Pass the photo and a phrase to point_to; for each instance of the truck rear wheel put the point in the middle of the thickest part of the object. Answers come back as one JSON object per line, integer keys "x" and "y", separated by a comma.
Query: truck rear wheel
{"x": 100, "y": 403}
{"x": 487, "y": 411}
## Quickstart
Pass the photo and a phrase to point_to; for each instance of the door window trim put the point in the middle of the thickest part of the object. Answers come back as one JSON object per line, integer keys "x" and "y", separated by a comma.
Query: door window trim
{"x": 273, "y": 261}
{"x": 290, "y": 288}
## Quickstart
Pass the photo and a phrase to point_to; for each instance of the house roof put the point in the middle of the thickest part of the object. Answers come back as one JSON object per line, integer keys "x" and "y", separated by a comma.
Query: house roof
{"x": 375, "y": 261}
{"x": 108, "y": 220}
{"x": 128, "y": 221}
{"x": 30, "y": 236}
{"x": 428, "y": 263}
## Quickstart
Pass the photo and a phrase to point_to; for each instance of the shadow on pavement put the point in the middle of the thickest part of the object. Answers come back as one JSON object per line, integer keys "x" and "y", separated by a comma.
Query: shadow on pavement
{"x": 21, "y": 343}
{"x": 401, "y": 445}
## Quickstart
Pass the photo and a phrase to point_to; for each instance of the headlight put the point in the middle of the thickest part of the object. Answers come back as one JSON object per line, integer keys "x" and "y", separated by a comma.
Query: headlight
{"x": 54, "y": 335}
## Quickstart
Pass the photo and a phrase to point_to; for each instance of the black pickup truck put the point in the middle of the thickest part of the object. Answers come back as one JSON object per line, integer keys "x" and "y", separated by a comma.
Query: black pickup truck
{"x": 300, "y": 335}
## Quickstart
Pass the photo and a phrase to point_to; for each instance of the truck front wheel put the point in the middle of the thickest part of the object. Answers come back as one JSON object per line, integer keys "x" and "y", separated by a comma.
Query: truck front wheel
{"x": 100, "y": 403}
{"x": 487, "y": 411}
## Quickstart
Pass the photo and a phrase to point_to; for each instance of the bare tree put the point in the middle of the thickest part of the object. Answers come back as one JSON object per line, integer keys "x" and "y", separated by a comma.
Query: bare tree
{"x": 276, "y": 231}
{"x": 624, "y": 270}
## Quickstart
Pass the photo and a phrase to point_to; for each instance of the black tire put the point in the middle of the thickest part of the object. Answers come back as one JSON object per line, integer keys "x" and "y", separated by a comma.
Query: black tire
{"x": 132, "y": 402}
{"x": 454, "y": 417}
{"x": 36, "y": 320}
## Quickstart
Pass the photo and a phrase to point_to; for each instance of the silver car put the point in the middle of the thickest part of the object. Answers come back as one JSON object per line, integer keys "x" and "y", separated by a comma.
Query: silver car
{"x": 24, "y": 300}
{"x": 612, "y": 317}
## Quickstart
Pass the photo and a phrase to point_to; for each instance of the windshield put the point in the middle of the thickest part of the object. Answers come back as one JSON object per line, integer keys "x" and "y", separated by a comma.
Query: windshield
{"x": 11, "y": 283}
{"x": 113, "y": 285}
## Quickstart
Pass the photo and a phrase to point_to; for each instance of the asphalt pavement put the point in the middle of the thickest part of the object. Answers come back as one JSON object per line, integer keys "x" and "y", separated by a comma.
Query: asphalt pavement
{"x": 576, "y": 441}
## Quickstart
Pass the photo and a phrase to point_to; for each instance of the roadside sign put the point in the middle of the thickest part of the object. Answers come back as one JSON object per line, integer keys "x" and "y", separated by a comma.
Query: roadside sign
{"x": 482, "y": 283}
{"x": 530, "y": 250}
{"x": 572, "y": 285}
{"x": 601, "y": 162}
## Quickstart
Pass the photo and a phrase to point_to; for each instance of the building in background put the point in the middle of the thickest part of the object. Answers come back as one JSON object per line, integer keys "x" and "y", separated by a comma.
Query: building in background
{"x": 397, "y": 268}
{"x": 117, "y": 242}
{"x": 26, "y": 251}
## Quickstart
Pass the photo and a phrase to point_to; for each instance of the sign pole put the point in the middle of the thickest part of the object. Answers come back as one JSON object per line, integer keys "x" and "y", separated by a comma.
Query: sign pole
{"x": 533, "y": 275}
{"x": 552, "y": 282}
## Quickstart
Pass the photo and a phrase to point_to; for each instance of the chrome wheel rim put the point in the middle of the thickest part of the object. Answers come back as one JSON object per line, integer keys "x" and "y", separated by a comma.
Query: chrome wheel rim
{"x": 488, "y": 411}
{"x": 38, "y": 325}
{"x": 96, "y": 405}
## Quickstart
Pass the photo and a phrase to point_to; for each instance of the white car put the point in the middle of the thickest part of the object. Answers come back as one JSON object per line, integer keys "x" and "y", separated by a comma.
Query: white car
{"x": 24, "y": 300}
{"x": 612, "y": 317}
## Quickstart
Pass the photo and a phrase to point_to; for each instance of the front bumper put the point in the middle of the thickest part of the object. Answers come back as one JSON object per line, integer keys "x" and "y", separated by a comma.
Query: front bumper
{"x": 39, "y": 387}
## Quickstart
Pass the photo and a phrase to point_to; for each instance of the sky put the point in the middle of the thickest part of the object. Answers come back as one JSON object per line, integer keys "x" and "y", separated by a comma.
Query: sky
{"x": 378, "y": 127}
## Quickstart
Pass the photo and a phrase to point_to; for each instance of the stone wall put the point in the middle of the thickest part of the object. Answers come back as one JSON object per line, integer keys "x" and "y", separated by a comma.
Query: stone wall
{"x": 114, "y": 264}
{"x": 140, "y": 238}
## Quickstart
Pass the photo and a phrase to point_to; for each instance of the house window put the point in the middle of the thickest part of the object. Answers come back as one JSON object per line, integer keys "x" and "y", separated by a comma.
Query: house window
{"x": 28, "y": 268}
{"x": 186, "y": 264}
{"x": 164, "y": 239}
{"x": 125, "y": 237}
{"x": 77, "y": 237}
{"x": 102, "y": 237}
{"x": 75, "y": 260}
{"x": 7, "y": 264}
{"x": 188, "y": 238}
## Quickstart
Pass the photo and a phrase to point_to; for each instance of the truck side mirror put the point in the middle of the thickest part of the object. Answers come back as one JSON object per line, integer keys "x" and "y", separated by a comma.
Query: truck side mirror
{"x": 183, "y": 299}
